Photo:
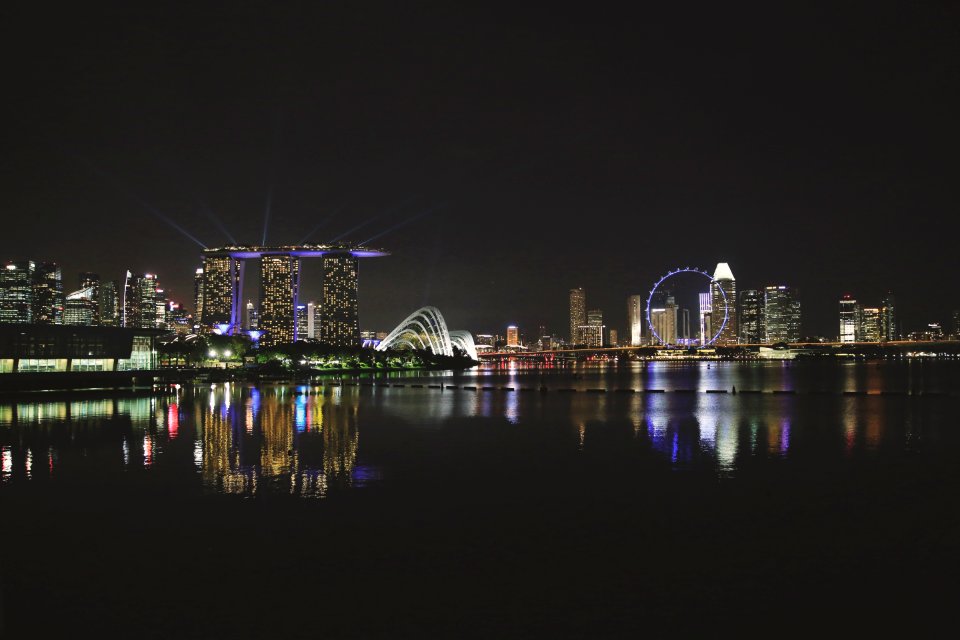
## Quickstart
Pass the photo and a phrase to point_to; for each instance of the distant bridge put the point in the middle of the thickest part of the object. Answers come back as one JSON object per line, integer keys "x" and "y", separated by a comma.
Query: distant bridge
{"x": 873, "y": 348}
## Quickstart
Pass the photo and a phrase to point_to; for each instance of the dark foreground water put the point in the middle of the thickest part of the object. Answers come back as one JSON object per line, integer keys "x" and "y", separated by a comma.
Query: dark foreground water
{"x": 821, "y": 498}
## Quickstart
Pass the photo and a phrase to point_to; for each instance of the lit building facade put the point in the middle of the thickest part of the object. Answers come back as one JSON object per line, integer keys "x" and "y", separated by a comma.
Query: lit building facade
{"x": 280, "y": 268}
{"x": 251, "y": 318}
{"x": 90, "y": 280}
{"x": 222, "y": 279}
{"x": 870, "y": 324}
{"x": 706, "y": 317}
{"x": 279, "y": 288}
{"x": 302, "y": 322}
{"x": 339, "y": 312}
{"x": 312, "y": 320}
{"x": 781, "y": 314}
{"x": 140, "y": 301}
{"x": 198, "y": 296}
{"x": 109, "y": 303}
{"x": 723, "y": 292}
{"x": 635, "y": 319}
{"x": 47, "y": 294}
{"x": 888, "y": 318}
{"x": 751, "y": 320}
{"x": 80, "y": 307}
{"x": 16, "y": 292}
{"x": 848, "y": 319}
{"x": 513, "y": 336}
{"x": 578, "y": 313}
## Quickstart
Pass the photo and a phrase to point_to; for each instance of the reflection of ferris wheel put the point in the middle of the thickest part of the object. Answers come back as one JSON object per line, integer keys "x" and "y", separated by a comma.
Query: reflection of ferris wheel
{"x": 701, "y": 272}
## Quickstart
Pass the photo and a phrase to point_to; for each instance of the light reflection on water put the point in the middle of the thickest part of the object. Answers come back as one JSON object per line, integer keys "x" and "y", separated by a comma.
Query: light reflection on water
{"x": 305, "y": 440}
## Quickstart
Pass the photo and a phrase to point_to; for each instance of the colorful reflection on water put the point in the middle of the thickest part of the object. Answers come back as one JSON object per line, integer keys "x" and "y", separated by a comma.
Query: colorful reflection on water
{"x": 306, "y": 441}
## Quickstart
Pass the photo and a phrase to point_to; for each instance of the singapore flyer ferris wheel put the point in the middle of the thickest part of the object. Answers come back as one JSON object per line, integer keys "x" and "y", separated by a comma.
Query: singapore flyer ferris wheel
{"x": 713, "y": 285}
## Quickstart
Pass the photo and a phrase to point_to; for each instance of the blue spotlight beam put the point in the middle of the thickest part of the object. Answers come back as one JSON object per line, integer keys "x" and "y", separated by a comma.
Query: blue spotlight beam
{"x": 404, "y": 223}
{"x": 213, "y": 218}
{"x": 129, "y": 194}
{"x": 320, "y": 225}
{"x": 266, "y": 213}
{"x": 382, "y": 214}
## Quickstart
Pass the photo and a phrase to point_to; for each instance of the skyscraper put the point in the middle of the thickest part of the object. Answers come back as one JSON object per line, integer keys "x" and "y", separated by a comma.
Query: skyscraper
{"x": 302, "y": 322}
{"x": 723, "y": 292}
{"x": 781, "y": 314}
{"x": 90, "y": 281}
{"x": 109, "y": 303}
{"x": 635, "y": 319}
{"x": 592, "y": 333}
{"x": 513, "y": 336}
{"x": 221, "y": 291}
{"x": 888, "y": 318}
{"x": 870, "y": 324}
{"x": 339, "y": 313}
{"x": 848, "y": 318}
{"x": 80, "y": 306}
{"x": 279, "y": 290}
{"x": 578, "y": 313}
{"x": 312, "y": 320}
{"x": 706, "y": 318}
{"x": 751, "y": 321}
{"x": 198, "y": 296}
{"x": 47, "y": 294}
{"x": 16, "y": 292}
{"x": 251, "y": 320}
{"x": 140, "y": 301}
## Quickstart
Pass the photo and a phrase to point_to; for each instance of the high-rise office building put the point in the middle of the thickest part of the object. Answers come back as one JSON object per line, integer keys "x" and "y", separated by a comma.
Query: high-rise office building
{"x": 162, "y": 319}
{"x": 513, "y": 336}
{"x": 251, "y": 316}
{"x": 222, "y": 277}
{"x": 140, "y": 301}
{"x": 80, "y": 306}
{"x": 109, "y": 303}
{"x": 723, "y": 292}
{"x": 47, "y": 294}
{"x": 888, "y": 318}
{"x": 751, "y": 321}
{"x": 706, "y": 318}
{"x": 339, "y": 313}
{"x": 870, "y": 324}
{"x": 198, "y": 296}
{"x": 848, "y": 318}
{"x": 781, "y": 314}
{"x": 279, "y": 290}
{"x": 578, "y": 313}
{"x": 635, "y": 319}
{"x": 955, "y": 325}
{"x": 312, "y": 320}
{"x": 16, "y": 292}
{"x": 90, "y": 280}
{"x": 302, "y": 322}
{"x": 591, "y": 333}
{"x": 614, "y": 336}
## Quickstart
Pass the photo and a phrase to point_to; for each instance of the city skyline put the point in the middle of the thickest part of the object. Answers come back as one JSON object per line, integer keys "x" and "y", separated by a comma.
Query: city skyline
{"x": 743, "y": 156}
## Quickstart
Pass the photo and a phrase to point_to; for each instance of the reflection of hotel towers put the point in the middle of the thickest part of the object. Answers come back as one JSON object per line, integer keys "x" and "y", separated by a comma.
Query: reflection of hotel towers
{"x": 724, "y": 280}
{"x": 280, "y": 288}
{"x": 275, "y": 439}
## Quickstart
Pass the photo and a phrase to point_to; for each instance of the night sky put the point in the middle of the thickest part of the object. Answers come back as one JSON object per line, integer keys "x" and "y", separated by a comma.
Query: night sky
{"x": 528, "y": 150}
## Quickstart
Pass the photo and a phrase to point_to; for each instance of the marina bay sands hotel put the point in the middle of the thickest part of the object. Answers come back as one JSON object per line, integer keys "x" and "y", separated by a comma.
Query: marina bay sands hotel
{"x": 219, "y": 290}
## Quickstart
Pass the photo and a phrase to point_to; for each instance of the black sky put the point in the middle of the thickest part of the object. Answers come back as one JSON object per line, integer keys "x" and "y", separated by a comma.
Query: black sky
{"x": 555, "y": 147}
